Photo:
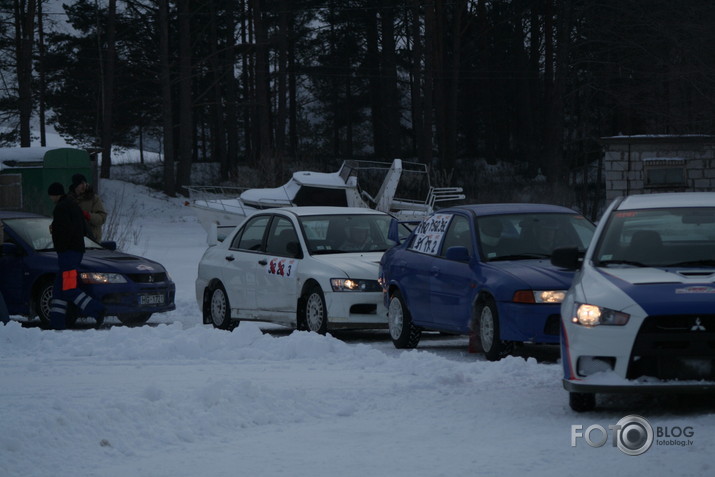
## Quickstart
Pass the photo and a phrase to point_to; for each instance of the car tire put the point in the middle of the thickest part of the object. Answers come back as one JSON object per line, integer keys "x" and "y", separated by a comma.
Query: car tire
{"x": 315, "y": 311}
{"x": 404, "y": 333}
{"x": 582, "y": 402}
{"x": 488, "y": 319}
{"x": 43, "y": 297}
{"x": 133, "y": 319}
{"x": 218, "y": 309}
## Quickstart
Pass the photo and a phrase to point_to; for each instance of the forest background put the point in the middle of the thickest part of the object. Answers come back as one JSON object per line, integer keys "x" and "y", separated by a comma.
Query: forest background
{"x": 470, "y": 87}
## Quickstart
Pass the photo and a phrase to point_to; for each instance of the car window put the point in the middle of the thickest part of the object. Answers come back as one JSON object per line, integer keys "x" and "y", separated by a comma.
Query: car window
{"x": 428, "y": 234}
{"x": 531, "y": 235}
{"x": 251, "y": 235}
{"x": 282, "y": 239}
{"x": 658, "y": 237}
{"x": 34, "y": 231}
{"x": 458, "y": 235}
{"x": 346, "y": 233}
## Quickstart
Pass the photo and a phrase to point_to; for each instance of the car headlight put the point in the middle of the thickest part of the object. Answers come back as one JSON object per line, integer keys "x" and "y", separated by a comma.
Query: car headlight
{"x": 592, "y": 315}
{"x": 539, "y": 296}
{"x": 348, "y": 285}
{"x": 96, "y": 278}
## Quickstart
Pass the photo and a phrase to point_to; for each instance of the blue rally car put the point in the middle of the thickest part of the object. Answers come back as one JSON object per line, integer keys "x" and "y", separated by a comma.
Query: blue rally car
{"x": 130, "y": 287}
{"x": 482, "y": 269}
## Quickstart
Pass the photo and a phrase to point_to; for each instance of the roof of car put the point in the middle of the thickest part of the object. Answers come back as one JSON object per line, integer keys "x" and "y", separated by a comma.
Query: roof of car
{"x": 321, "y": 210}
{"x": 17, "y": 214}
{"x": 511, "y": 208}
{"x": 668, "y": 199}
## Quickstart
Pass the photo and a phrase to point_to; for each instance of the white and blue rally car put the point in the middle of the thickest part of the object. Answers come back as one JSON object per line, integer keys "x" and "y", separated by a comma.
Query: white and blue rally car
{"x": 640, "y": 314}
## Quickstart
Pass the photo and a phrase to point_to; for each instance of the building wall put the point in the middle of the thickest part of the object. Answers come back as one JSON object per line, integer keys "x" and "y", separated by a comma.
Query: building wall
{"x": 630, "y": 160}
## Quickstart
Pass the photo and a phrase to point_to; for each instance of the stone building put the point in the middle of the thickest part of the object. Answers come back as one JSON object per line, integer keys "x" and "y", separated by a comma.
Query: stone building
{"x": 658, "y": 163}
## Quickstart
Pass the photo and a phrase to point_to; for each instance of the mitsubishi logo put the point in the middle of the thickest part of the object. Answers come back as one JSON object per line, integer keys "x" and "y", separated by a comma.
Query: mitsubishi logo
{"x": 151, "y": 280}
{"x": 698, "y": 326}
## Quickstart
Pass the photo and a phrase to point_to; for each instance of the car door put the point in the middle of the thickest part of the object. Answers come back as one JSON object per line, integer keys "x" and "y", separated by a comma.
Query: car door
{"x": 277, "y": 273}
{"x": 451, "y": 282}
{"x": 242, "y": 264}
{"x": 13, "y": 276}
{"x": 415, "y": 264}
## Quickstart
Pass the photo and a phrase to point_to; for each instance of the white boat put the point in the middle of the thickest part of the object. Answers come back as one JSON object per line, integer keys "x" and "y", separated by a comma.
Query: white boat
{"x": 404, "y": 191}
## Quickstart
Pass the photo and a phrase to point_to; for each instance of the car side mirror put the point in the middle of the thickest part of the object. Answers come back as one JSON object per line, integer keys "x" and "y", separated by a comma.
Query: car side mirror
{"x": 568, "y": 258}
{"x": 457, "y": 254}
{"x": 109, "y": 245}
{"x": 393, "y": 232}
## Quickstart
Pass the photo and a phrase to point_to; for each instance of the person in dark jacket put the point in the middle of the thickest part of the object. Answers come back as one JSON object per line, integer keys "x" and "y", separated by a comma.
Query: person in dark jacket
{"x": 68, "y": 231}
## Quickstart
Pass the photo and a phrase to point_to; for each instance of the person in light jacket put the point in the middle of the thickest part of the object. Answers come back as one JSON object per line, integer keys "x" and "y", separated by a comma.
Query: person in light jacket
{"x": 90, "y": 203}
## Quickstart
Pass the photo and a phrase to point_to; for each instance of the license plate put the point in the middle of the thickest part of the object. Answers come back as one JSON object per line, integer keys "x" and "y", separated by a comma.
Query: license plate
{"x": 151, "y": 299}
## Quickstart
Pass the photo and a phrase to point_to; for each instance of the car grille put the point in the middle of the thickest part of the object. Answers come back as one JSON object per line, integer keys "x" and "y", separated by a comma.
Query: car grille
{"x": 674, "y": 347}
{"x": 148, "y": 277}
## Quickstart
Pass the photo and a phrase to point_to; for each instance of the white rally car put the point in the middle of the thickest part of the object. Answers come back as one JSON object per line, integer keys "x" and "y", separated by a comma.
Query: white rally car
{"x": 311, "y": 268}
{"x": 640, "y": 314}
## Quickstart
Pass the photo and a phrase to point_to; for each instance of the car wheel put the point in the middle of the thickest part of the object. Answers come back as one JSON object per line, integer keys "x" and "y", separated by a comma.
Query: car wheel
{"x": 219, "y": 309}
{"x": 42, "y": 301}
{"x": 134, "y": 319}
{"x": 582, "y": 402}
{"x": 316, "y": 313}
{"x": 493, "y": 347}
{"x": 403, "y": 332}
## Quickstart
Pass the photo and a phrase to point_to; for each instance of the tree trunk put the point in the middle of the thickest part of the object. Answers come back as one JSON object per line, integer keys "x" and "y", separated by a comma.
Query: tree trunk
{"x": 108, "y": 90}
{"x": 166, "y": 110}
{"x": 24, "y": 37}
{"x": 186, "y": 130}
{"x": 388, "y": 70}
{"x": 416, "y": 75}
{"x": 42, "y": 85}
{"x": 263, "y": 103}
{"x": 231, "y": 95}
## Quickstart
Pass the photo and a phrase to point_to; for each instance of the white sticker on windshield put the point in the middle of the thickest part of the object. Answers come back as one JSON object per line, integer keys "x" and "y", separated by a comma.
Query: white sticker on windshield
{"x": 429, "y": 233}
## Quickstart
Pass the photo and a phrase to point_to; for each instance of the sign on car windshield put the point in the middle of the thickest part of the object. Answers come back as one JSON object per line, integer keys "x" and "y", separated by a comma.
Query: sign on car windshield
{"x": 429, "y": 233}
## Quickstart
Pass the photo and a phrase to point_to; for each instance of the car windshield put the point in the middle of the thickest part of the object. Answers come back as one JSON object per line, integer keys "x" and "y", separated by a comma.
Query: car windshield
{"x": 682, "y": 237}
{"x": 35, "y": 232}
{"x": 346, "y": 233}
{"x": 531, "y": 235}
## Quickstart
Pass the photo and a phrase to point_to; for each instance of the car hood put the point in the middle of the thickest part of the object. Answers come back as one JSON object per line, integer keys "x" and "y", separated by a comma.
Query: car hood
{"x": 118, "y": 262}
{"x": 354, "y": 265}
{"x": 654, "y": 290}
{"x": 537, "y": 274}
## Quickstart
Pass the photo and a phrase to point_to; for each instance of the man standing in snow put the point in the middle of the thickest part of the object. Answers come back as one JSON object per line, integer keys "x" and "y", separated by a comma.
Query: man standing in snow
{"x": 68, "y": 230}
{"x": 90, "y": 203}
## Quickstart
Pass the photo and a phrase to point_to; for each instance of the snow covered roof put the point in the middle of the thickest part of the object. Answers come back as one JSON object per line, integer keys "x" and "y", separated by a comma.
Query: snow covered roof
{"x": 11, "y": 157}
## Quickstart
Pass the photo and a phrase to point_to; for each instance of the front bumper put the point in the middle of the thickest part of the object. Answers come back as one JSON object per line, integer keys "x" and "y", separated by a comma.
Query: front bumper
{"x": 535, "y": 323}
{"x": 651, "y": 354}
{"x": 134, "y": 297}
{"x": 355, "y": 310}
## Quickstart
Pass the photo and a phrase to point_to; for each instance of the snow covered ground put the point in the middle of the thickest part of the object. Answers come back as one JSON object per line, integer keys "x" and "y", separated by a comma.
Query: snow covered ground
{"x": 182, "y": 399}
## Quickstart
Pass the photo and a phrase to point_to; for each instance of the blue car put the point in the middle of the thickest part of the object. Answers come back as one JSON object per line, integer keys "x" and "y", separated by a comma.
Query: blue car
{"x": 131, "y": 288}
{"x": 482, "y": 269}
